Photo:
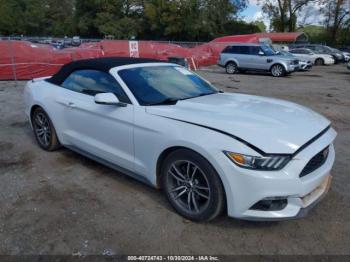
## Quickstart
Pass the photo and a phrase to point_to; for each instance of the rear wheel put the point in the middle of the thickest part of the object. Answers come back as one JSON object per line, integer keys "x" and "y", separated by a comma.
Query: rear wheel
{"x": 44, "y": 130}
{"x": 192, "y": 186}
{"x": 231, "y": 68}
{"x": 278, "y": 70}
{"x": 319, "y": 62}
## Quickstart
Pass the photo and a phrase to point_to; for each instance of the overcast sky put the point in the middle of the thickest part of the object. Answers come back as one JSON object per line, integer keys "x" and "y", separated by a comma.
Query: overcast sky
{"x": 254, "y": 13}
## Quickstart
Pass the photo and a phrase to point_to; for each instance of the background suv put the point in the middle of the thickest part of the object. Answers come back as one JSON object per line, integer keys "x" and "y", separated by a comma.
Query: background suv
{"x": 256, "y": 57}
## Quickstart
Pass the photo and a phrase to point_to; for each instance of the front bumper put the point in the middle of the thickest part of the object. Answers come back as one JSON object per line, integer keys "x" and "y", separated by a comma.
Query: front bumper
{"x": 305, "y": 65}
{"x": 292, "y": 68}
{"x": 329, "y": 61}
{"x": 306, "y": 203}
{"x": 246, "y": 187}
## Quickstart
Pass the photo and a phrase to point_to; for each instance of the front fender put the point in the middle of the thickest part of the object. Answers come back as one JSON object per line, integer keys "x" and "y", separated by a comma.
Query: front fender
{"x": 285, "y": 66}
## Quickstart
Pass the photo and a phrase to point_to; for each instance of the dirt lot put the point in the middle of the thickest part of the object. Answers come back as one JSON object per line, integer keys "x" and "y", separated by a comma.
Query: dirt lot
{"x": 63, "y": 203}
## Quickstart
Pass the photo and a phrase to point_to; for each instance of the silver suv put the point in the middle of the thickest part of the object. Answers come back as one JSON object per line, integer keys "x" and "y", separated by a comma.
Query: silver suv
{"x": 256, "y": 57}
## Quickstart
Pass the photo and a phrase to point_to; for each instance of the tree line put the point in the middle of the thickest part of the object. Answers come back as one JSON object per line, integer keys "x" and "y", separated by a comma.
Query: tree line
{"x": 183, "y": 20}
{"x": 290, "y": 16}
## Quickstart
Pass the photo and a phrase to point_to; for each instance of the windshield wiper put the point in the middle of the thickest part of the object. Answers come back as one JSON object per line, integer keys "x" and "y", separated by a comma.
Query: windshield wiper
{"x": 167, "y": 101}
{"x": 203, "y": 94}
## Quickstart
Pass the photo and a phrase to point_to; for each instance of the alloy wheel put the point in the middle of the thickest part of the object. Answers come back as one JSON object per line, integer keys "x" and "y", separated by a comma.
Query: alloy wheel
{"x": 277, "y": 70}
{"x": 231, "y": 68}
{"x": 42, "y": 129}
{"x": 189, "y": 186}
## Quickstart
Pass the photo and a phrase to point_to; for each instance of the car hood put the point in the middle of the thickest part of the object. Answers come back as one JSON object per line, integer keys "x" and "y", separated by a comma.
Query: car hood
{"x": 272, "y": 125}
{"x": 285, "y": 58}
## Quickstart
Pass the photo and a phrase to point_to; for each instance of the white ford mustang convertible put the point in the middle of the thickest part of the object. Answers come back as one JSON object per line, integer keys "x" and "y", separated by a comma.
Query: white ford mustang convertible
{"x": 255, "y": 158}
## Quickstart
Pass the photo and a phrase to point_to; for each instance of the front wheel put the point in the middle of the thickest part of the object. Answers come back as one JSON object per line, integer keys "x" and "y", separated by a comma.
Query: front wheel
{"x": 278, "y": 70}
{"x": 319, "y": 62}
{"x": 192, "y": 186}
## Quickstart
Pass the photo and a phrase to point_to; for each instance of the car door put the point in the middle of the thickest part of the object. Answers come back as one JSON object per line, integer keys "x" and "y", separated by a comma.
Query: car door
{"x": 244, "y": 57}
{"x": 103, "y": 131}
{"x": 257, "y": 59}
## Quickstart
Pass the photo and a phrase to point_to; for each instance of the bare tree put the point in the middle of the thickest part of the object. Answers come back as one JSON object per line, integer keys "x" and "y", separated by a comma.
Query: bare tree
{"x": 283, "y": 13}
{"x": 337, "y": 15}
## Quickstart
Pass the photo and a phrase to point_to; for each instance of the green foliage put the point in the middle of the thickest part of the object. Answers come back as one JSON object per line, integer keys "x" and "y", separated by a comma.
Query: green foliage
{"x": 316, "y": 34}
{"x": 240, "y": 27}
{"x": 191, "y": 20}
{"x": 261, "y": 25}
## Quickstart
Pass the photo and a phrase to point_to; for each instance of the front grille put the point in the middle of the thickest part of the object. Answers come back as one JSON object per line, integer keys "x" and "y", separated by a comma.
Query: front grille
{"x": 315, "y": 162}
{"x": 296, "y": 62}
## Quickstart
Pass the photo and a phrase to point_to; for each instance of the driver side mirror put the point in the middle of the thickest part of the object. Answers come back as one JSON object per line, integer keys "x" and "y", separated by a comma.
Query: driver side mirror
{"x": 108, "y": 99}
{"x": 261, "y": 53}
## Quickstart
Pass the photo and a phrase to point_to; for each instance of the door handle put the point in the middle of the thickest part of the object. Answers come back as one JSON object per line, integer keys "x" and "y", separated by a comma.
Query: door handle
{"x": 71, "y": 105}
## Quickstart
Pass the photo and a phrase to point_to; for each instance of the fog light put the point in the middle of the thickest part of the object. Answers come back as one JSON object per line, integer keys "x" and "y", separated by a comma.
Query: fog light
{"x": 270, "y": 204}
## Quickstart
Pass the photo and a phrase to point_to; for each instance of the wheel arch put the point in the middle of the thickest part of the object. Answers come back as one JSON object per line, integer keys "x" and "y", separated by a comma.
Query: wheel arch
{"x": 320, "y": 58}
{"x": 31, "y": 112}
{"x": 232, "y": 61}
{"x": 33, "y": 108}
{"x": 278, "y": 63}
{"x": 163, "y": 155}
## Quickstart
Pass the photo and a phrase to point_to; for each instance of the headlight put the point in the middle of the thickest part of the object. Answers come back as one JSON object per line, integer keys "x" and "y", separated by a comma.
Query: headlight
{"x": 265, "y": 163}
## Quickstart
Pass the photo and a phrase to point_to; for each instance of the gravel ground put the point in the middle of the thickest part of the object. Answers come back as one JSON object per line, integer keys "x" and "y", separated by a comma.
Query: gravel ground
{"x": 63, "y": 203}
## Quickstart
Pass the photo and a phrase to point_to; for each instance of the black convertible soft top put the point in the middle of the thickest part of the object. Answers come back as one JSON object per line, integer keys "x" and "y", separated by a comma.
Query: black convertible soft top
{"x": 102, "y": 64}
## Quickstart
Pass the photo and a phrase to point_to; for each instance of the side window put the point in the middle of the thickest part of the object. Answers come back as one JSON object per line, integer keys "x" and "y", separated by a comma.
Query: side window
{"x": 227, "y": 50}
{"x": 322, "y": 49}
{"x": 254, "y": 50}
{"x": 243, "y": 50}
{"x": 295, "y": 51}
{"x": 234, "y": 50}
{"x": 92, "y": 82}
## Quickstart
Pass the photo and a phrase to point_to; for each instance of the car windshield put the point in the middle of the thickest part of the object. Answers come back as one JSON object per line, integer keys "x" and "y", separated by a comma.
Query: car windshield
{"x": 268, "y": 50}
{"x": 155, "y": 85}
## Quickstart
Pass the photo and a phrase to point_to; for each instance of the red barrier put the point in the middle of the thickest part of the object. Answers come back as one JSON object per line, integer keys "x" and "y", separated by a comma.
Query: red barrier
{"x": 23, "y": 60}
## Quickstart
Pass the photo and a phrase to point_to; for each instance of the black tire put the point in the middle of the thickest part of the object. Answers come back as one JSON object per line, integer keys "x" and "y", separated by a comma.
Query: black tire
{"x": 44, "y": 131}
{"x": 200, "y": 196}
{"x": 319, "y": 62}
{"x": 278, "y": 70}
{"x": 231, "y": 68}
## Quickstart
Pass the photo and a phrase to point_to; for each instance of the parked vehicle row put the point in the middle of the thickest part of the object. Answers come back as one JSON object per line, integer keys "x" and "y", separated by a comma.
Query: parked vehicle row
{"x": 322, "y": 49}
{"x": 280, "y": 61}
